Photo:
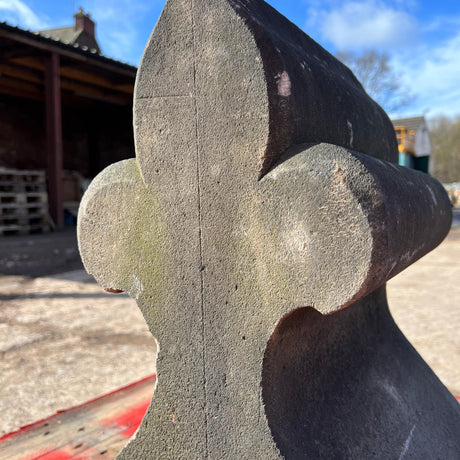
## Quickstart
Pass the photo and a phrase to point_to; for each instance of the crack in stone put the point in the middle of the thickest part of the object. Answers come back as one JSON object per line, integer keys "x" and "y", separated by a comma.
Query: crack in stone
{"x": 192, "y": 5}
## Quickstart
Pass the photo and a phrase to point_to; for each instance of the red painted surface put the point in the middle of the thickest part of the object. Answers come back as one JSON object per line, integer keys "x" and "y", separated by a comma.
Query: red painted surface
{"x": 39, "y": 422}
{"x": 128, "y": 420}
{"x": 56, "y": 455}
{"x": 61, "y": 455}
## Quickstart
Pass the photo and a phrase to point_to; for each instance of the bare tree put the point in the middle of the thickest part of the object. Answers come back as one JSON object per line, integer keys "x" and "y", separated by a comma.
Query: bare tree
{"x": 374, "y": 71}
{"x": 445, "y": 156}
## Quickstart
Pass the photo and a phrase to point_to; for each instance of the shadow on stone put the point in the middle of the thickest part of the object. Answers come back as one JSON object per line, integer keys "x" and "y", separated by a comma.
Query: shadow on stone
{"x": 349, "y": 385}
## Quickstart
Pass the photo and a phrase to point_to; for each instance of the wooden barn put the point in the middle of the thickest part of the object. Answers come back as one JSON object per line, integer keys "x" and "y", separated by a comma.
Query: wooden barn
{"x": 65, "y": 114}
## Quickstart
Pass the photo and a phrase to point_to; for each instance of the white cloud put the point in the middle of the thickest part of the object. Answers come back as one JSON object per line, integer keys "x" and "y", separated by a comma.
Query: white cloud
{"x": 18, "y": 13}
{"x": 367, "y": 24}
{"x": 423, "y": 53}
{"x": 442, "y": 24}
{"x": 433, "y": 74}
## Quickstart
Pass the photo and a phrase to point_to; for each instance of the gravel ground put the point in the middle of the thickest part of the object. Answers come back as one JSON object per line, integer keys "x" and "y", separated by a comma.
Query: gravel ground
{"x": 64, "y": 341}
{"x": 425, "y": 302}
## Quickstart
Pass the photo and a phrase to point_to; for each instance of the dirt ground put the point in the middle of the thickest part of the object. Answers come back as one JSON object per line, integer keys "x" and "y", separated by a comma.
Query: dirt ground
{"x": 425, "y": 302}
{"x": 64, "y": 341}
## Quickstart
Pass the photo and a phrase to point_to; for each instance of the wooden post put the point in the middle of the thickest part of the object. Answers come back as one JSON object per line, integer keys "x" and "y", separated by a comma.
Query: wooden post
{"x": 54, "y": 138}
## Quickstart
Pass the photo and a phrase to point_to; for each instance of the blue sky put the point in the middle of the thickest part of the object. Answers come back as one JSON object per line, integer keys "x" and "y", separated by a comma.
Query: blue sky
{"x": 422, "y": 37}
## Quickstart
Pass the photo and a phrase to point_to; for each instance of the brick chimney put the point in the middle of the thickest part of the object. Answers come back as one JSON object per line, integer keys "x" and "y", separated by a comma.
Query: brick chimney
{"x": 84, "y": 22}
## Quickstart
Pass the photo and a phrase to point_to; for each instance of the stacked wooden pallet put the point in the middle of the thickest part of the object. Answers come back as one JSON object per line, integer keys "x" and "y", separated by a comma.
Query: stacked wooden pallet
{"x": 23, "y": 202}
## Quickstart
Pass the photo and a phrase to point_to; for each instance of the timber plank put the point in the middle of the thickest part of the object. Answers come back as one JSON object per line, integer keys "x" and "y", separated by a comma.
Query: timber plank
{"x": 21, "y": 186}
{"x": 97, "y": 429}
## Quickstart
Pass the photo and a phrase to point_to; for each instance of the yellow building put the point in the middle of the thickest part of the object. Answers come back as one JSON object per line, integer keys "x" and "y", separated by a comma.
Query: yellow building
{"x": 413, "y": 142}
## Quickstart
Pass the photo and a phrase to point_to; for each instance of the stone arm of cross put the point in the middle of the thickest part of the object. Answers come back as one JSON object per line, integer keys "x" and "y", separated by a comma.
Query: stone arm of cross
{"x": 256, "y": 229}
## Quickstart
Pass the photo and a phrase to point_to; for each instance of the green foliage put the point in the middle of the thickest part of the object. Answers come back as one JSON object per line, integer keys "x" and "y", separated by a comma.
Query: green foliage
{"x": 445, "y": 154}
{"x": 374, "y": 71}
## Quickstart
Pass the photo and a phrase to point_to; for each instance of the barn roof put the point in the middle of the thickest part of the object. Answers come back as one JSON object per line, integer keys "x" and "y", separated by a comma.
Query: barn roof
{"x": 60, "y": 41}
{"x": 412, "y": 123}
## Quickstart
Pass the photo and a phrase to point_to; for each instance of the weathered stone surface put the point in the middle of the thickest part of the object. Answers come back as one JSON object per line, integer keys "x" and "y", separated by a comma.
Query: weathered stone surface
{"x": 349, "y": 385}
{"x": 263, "y": 79}
{"x": 225, "y": 228}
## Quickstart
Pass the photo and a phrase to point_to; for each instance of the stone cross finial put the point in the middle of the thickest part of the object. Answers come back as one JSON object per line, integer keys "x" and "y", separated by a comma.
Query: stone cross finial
{"x": 256, "y": 229}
